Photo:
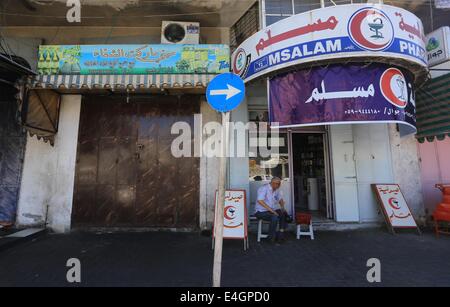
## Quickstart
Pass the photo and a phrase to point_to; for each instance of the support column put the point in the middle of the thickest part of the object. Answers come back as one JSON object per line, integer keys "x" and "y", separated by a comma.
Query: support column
{"x": 209, "y": 171}
{"x": 405, "y": 163}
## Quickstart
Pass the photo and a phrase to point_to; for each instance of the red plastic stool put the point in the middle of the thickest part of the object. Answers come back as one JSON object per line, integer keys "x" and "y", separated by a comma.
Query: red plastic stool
{"x": 304, "y": 219}
{"x": 442, "y": 211}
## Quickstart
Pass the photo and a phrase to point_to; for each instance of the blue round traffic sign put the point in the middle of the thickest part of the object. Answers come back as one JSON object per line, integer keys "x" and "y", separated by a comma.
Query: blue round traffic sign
{"x": 225, "y": 92}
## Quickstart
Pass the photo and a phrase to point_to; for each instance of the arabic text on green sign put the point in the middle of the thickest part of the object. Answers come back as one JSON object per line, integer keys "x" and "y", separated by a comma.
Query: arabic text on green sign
{"x": 133, "y": 59}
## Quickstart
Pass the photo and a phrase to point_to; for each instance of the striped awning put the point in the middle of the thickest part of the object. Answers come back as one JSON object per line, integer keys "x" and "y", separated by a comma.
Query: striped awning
{"x": 130, "y": 82}
{"x": 433, "y": 109}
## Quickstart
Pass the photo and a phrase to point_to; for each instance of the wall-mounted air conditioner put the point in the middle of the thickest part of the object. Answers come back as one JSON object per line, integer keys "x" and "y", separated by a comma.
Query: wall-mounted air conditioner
{"x": 177, "y": 32}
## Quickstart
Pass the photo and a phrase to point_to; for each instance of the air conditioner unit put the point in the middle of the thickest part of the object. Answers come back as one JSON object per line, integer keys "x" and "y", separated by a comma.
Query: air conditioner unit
{"x": 177, "y": 32}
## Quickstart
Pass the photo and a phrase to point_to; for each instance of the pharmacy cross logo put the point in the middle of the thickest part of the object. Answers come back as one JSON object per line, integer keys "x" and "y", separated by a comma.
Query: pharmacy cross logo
{"x": 433, "y": 43}
{"x": 393, "y": 202}
{"x": 230, "y": 212}
{"x": 240, "y": 62}
{"x": 394, "y": 87}
{"x": 233, "y": 219}
{"x": 371, "y": 29}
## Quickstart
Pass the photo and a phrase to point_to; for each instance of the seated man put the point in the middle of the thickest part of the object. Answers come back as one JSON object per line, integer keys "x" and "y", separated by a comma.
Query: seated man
{"x": 270, "y": 207}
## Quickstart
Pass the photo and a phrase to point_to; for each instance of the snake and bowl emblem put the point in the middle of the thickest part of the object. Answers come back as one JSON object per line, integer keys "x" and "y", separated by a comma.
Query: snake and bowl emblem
{"x": 394, "y": 87}
{"x": 371, "y": 29}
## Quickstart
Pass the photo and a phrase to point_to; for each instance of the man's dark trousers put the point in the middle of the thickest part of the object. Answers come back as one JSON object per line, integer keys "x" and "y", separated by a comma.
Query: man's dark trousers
{"x": 274, "y": 220}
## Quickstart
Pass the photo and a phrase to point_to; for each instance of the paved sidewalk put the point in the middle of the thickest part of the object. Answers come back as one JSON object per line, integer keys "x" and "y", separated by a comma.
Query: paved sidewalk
{"x": 183, "y": 259}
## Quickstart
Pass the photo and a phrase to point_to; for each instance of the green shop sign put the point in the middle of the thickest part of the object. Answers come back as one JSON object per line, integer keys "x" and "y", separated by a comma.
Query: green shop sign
{"x": 133, "y": 59}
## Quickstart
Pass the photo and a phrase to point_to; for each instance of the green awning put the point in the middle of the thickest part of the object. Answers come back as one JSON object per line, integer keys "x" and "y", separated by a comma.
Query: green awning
{"x": 433, "y": 109}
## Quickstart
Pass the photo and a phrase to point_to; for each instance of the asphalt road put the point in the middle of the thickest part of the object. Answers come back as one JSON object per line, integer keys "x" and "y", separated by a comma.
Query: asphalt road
{"x": 185, "y": 259}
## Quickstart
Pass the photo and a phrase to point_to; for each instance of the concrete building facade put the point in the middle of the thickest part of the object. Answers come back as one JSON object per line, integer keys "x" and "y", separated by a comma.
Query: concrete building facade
{"x": 351, "y": 157}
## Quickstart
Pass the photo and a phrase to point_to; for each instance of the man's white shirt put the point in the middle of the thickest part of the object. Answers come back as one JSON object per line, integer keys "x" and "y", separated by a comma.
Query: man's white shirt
{"x": 270, "y": 197}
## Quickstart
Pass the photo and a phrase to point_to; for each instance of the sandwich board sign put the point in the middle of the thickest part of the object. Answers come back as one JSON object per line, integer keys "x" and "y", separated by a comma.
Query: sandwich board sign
{"x": 235, "y": 222}
{"x": 395, "y": 209}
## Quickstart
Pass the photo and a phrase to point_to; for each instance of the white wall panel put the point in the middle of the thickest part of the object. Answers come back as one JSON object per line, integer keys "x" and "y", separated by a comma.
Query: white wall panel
{"x": 344, "y": 171}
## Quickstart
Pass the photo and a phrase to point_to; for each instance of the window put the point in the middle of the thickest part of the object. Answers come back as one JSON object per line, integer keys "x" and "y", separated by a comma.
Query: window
{"x": 276, "y": 10}
{"x": 279, "y": 7}
{"x": 262, "y": 168}
{"x": 301, "y": 6}
{"x": 245, "y": 27}
{"x": 340, "y": 2}
{"x": 273, "y": 19}
{"x": 432, "y": 14}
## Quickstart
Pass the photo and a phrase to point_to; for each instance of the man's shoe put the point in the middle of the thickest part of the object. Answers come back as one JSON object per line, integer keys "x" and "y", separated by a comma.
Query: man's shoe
{"x": 281, "y": 238}
{"x": 271, "y": 239}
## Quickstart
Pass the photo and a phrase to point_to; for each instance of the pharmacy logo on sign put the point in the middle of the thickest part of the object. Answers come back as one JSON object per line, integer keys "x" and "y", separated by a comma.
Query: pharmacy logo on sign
{"x": 371, "y": 29}
{"x": 393, "y": 202}
{"x": 433, "y": 43}
{"x": 241, "y": 62}
{"x": 230, "y": 213}
{"x": 394, "y": 87}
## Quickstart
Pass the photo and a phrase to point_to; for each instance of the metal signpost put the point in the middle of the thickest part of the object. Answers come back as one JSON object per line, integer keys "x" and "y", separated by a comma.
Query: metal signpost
{"x": 224, "y": 93}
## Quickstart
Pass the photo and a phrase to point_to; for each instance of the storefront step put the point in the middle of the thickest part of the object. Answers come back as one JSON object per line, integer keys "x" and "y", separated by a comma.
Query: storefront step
{"x": 327, "y": 225}
{"x": 335, "y": 226}
{"x": 103, "y": 230}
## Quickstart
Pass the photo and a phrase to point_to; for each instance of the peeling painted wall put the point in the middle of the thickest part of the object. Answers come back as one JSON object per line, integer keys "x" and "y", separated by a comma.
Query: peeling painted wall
{"x": 49, "y": 172}
{"x": 129, "y": 13}
{"x": 104, "y": 35}
{"x": 117, "y": 5}
{"x": 405, "y": 165}
{"x": 209, "y": 173}
{"x": 122, "y": 4}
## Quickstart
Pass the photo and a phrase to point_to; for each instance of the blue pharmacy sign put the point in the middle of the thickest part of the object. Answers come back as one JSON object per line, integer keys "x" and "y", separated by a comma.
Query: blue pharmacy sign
{"x": 225, "y": 92}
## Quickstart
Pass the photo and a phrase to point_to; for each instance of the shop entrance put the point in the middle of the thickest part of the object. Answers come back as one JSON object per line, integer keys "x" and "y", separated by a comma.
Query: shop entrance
{"x": 126, "y": 175}
{"x": 310, "y": 174}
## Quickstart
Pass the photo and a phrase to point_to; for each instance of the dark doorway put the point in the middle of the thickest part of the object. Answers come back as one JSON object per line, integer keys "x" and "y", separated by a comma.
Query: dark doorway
{"x": 12, "y": 150}
{"x": 309, "y": 170}
{"x": 126, "y": 175}
{"x": 12, "y": 136}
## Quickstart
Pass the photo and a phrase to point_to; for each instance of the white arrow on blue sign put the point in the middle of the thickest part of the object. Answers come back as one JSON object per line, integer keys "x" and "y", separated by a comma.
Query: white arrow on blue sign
{"x": 225, "y": 92}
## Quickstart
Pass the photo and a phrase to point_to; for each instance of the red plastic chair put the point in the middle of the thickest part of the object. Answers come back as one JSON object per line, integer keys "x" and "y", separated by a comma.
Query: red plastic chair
{"x": 304, "y": 219}
{"x": 442, "y": 211}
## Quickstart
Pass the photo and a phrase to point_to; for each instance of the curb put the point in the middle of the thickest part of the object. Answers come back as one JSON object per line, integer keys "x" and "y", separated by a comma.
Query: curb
{"x": 19, "y": 237}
